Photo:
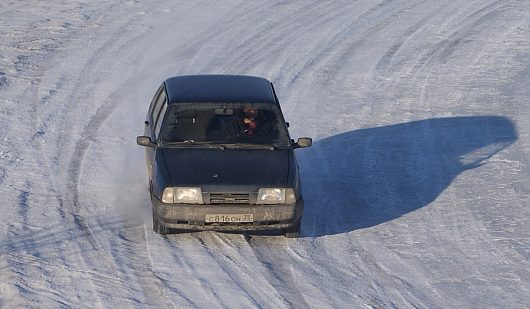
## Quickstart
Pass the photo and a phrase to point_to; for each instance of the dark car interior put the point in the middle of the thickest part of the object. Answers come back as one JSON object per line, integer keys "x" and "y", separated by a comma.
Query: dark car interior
{"x": 221, "y": 125}
{"x": 187, "y": 125}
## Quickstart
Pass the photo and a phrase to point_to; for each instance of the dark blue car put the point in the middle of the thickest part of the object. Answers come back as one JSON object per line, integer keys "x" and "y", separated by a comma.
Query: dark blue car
{"x": 219, "y": 157}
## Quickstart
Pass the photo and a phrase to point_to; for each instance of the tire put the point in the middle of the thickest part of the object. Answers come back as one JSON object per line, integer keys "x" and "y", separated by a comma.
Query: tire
{"x": 158, "y": 227}
{"x": 293, "y": 231}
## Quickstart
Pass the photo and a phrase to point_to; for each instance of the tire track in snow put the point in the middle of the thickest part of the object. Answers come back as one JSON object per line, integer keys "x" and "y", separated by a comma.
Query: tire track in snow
{"x": 69, "y": 199}
{"x": 138, "y": 270}
{"x": 241, "y": 14}
{"x": 201, "y": 280}
{"x": 68, "y": 196}
{"x": 237, "y": 266}
{"x": 389, "y": 56}
{"x": 438, "y": 54}
{"x": 342, "y": 42}
{"x": 447, "y": 46}
{"x": 249, "y": 48}
{"x": 229, "y": 266}
{"x": 74, "y": 171}
{"x": 2, "y": 175}
{"x": 442, "y": 51}
{"x": 44, "y": 55}
{"x": 278, "y": 273}
{"x": 133, "y": 259}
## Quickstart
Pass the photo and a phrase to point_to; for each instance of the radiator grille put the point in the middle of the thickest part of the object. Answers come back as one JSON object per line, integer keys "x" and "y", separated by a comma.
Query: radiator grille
{"x": 229, "y": 198}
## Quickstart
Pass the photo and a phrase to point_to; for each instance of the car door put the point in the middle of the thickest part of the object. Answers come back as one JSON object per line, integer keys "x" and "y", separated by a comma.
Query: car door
{"x": 153, "y": 122}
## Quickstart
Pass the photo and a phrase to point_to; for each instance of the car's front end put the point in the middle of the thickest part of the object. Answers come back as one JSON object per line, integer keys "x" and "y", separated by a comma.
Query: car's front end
{"x": 226, "y": 190}
{"x": 228, "y": 210}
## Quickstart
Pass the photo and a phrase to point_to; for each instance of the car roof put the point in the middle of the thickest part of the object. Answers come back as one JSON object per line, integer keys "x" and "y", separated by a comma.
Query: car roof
{"x": 219, "y": 88}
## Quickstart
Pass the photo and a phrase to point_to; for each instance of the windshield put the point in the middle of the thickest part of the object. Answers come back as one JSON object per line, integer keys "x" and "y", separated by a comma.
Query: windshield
{"x": 224, "y": 123}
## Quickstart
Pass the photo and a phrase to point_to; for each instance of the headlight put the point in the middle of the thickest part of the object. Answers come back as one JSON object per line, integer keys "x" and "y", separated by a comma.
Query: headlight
{"x": 182, "y": 195}
{"x": 276, "y": 196}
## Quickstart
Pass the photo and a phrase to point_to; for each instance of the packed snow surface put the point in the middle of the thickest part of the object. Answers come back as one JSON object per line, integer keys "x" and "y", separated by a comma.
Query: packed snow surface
{"x": 417, "y": 187}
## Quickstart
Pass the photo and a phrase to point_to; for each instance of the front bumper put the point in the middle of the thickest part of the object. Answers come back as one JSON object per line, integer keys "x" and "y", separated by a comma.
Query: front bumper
{"x": 192, "y": 217}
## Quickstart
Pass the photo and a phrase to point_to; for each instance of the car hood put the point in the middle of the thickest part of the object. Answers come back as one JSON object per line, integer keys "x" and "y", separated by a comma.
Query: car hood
{"x": 213, "y": 168}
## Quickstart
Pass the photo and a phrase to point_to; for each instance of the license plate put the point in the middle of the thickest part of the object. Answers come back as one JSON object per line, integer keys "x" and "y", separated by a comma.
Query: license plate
{"x": 224, "y": 218}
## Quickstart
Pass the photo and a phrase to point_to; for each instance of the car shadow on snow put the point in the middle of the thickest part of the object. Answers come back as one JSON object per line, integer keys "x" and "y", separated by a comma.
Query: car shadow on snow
{"x": 367, "y": 177}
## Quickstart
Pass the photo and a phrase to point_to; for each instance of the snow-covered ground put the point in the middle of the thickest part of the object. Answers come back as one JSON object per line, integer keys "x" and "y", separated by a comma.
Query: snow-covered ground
{"x": 417, "y": 187}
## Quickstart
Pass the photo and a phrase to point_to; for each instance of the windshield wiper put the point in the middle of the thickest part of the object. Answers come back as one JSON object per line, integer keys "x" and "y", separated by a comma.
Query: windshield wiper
{"x": 193, "y": 143}
{"x": 219, "y": 145}
{"x": 250, "y": 146}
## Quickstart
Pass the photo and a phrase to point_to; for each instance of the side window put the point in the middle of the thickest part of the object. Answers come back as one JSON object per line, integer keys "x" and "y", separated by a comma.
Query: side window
{"x": 153, "y": 102}
{"x": 160, "y": 118}
{"x": 158, "y": 105}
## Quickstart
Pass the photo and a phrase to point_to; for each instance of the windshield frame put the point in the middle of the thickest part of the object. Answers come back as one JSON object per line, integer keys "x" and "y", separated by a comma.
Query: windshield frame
{"x": 283, "y": 142}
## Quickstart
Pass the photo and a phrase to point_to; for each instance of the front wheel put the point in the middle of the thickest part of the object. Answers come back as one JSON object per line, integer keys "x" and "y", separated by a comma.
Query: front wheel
{"x": 158, "y": 227}
{"x": 293, "y": 231}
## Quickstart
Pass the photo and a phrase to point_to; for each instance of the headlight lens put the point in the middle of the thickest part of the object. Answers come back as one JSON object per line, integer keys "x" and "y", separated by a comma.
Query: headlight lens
{"x": 182, "y": 195}
{"x": 167, "y": 196}
{"x": 276, "y": 196}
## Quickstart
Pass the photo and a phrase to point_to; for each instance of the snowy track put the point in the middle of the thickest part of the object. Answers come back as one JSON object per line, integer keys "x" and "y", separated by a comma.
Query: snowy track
{"x": 417, "y": 187}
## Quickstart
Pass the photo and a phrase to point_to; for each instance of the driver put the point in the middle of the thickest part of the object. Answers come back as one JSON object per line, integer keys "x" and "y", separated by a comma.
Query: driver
{"x": 250, "y": 121}
{"x": 250, "y": 124}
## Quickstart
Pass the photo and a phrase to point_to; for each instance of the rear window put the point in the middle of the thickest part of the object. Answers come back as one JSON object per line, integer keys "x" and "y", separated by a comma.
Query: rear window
{"x": 224, "y": 123}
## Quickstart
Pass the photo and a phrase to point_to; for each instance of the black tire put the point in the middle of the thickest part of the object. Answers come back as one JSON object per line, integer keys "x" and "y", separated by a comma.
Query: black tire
{"x": 293, "y": 231}
{"x": 158, "y": 227}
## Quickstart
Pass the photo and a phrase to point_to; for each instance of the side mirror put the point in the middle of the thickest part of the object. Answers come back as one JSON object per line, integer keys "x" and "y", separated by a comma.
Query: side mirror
{"x": 145, "y": 141}
{"x": 303, "y": 142}
{"x": 287, "y": 124}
